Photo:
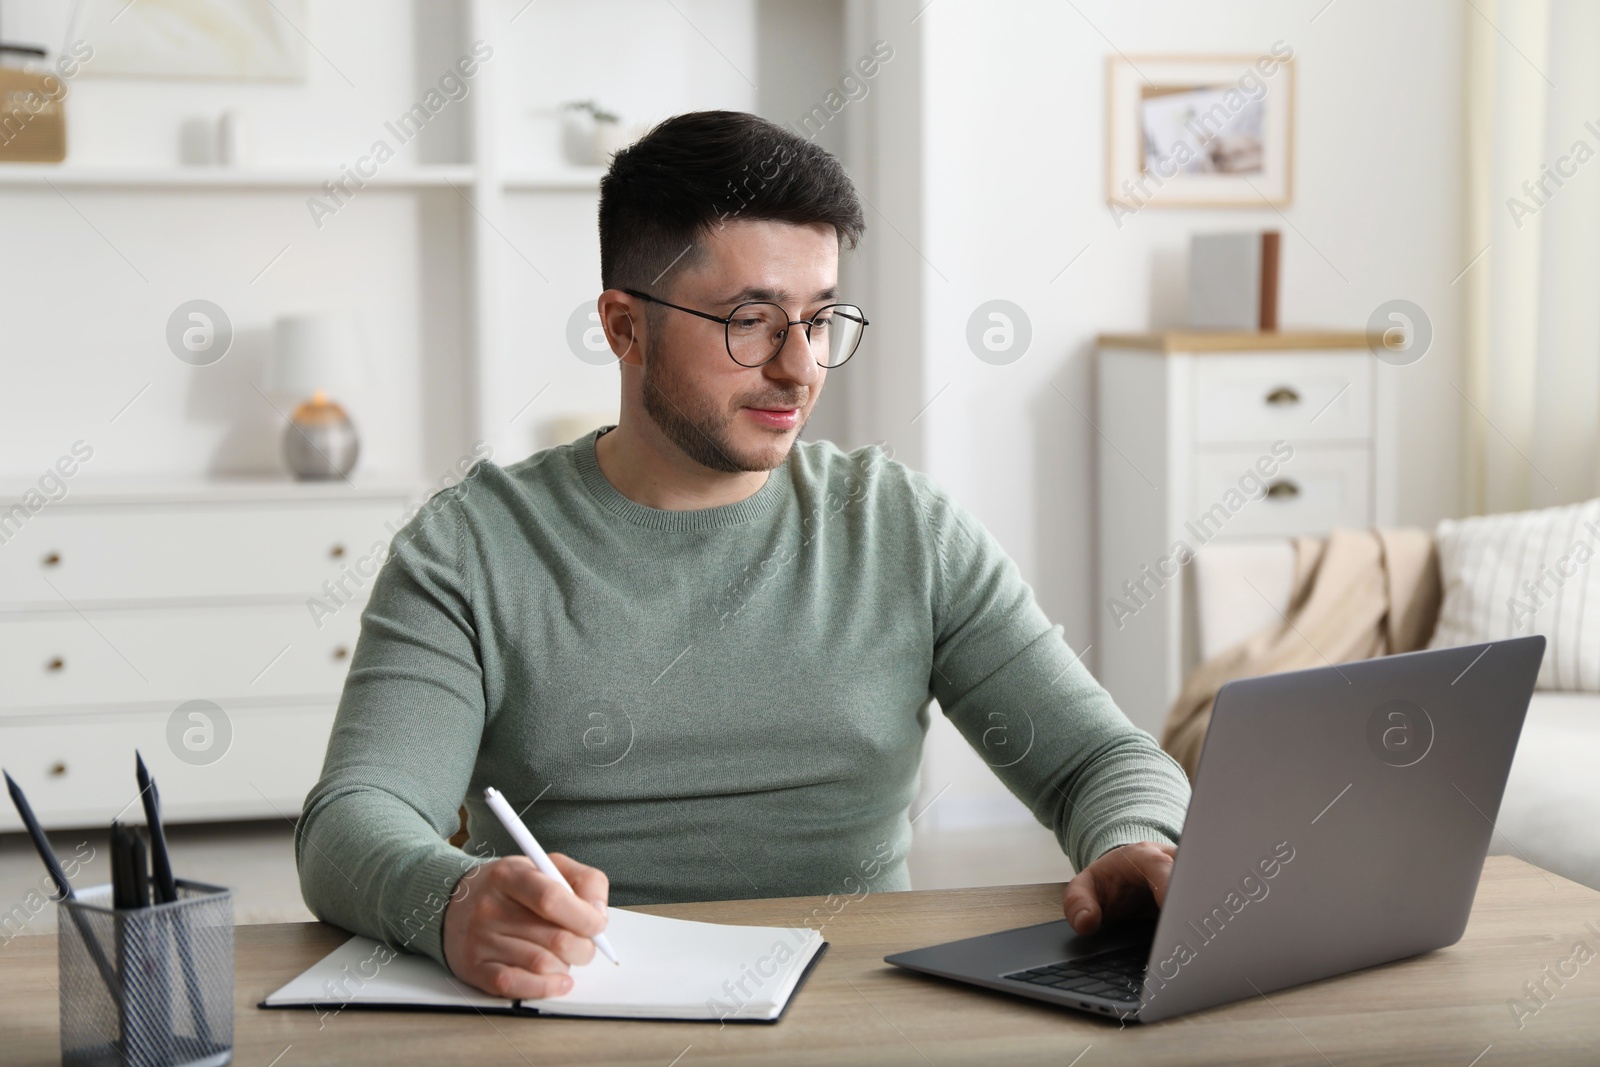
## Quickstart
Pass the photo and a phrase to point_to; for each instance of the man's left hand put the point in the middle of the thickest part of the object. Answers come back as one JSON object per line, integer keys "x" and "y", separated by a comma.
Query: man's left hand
{"x": 1121, "y": 882}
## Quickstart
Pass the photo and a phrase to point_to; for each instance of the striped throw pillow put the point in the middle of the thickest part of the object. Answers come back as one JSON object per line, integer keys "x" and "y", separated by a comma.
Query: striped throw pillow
{"x": 1528, "y": 572}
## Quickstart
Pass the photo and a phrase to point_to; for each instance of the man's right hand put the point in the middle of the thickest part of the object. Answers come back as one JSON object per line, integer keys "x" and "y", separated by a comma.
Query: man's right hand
{"x": 514, "y": 932}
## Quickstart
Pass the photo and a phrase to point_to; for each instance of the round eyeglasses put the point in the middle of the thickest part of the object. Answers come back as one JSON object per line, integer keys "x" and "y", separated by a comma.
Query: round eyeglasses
{"x": 756, "y": 330}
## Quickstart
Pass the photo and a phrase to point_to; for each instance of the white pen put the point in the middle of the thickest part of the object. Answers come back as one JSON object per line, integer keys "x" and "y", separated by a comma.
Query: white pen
{"x": 535, "y": 852}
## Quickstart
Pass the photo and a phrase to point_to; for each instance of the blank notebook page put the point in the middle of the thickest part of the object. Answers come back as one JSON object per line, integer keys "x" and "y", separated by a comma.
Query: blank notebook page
{"x": 675, "y": 968}
{"x": 356, "y": 973}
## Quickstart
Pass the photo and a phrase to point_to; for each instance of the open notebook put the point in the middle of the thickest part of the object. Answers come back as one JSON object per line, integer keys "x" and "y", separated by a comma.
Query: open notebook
{"x": 671, "y": 969}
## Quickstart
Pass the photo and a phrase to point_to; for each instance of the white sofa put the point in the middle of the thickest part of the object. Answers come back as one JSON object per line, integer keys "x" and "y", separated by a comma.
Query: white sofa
{"x": 1551, "y": 812}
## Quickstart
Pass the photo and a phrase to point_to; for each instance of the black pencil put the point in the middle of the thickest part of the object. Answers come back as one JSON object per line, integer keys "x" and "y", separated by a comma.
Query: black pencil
{"x": 63, "y": 887}
{"x": 122, "y": 901}
{"x": 166, "y": 891}
{"x": 46, "y": 853}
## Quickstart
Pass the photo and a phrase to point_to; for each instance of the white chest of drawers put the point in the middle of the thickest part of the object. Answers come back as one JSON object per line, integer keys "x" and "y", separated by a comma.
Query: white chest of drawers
{"x": 1221, "y": 436}
{"x": 209, "y": 625}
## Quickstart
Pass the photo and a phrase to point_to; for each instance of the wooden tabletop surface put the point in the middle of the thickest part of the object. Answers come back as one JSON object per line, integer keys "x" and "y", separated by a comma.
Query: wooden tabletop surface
{"x": 1448, "y": 1007}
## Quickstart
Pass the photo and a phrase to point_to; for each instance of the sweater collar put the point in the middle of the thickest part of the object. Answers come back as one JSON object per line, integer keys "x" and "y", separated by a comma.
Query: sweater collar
{"x": 762, "y": 502}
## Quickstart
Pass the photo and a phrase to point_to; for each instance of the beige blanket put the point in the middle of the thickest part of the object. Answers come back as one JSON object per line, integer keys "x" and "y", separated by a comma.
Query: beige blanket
{"x": 1356, "y": 594}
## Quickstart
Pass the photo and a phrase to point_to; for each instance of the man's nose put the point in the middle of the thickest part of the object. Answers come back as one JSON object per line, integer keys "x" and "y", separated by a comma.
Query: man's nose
{"x": 795, "y": 360}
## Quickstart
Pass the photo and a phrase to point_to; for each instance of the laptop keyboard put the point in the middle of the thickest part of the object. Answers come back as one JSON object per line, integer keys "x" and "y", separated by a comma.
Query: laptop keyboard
{"x": 1115, "y": 976}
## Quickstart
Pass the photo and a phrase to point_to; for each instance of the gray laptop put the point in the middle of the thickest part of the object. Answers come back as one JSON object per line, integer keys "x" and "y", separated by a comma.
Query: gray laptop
{"x": 1339, "y": 820}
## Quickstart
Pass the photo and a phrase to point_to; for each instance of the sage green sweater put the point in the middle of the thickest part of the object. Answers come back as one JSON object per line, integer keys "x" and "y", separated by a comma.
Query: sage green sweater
{"x": 710, "y": 704}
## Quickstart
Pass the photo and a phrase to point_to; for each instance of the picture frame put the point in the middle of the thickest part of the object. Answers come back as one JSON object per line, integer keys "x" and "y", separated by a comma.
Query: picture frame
{"x": 210, "y": 40}
{"x": 1198, "y": 131}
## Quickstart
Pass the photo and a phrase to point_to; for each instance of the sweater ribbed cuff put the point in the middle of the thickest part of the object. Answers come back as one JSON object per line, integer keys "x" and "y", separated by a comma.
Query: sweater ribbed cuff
{"x": 415, "y": 909}
{"x": 1126, "y": 833}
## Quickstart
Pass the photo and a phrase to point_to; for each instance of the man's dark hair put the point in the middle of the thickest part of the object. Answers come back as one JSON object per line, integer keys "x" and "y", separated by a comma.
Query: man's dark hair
{"x": 700, "y": 170}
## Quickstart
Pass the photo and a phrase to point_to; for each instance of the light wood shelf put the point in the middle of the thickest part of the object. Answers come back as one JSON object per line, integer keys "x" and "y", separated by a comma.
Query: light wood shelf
{"x": 210, "y": 177}
{"x": 1234, "y": 340}
{"x": 298, "y": 177}
{"x": 553, "y": 179}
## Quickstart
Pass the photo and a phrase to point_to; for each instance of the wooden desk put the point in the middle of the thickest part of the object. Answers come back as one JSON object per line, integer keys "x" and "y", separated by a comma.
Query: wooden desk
{"x": 1444, "y": 1008}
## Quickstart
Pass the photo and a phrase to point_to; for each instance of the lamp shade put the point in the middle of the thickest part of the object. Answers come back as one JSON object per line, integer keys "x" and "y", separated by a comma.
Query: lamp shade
{"x": 316, "y": 351}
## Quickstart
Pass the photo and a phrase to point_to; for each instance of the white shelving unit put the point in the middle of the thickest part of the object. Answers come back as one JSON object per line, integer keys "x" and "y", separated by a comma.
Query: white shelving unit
{"x": 490, "y": 236}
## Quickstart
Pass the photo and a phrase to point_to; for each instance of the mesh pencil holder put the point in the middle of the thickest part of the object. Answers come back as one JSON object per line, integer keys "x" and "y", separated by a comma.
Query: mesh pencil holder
{"x": 147, "y": 987}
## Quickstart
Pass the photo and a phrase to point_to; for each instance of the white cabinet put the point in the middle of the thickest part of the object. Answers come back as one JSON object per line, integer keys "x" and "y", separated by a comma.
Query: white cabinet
{"x": 207, "y": 624}
{"x": 1210, "y": 437}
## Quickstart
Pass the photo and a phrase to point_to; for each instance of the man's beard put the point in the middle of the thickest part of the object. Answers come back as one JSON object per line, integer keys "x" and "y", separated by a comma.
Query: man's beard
{"x": 696, "y": 426}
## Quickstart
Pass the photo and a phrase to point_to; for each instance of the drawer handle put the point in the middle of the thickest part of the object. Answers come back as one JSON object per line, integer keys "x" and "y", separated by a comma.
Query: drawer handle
{"x": 1283, "y": 396}
{"x": 337, "y": 552}
{"x": 52, "y": 559}
{"x": 58, "y": 769}
{"x": 56, "y": 664}
{"x": 1283, "y": 490}
{"x": 340, "y": 652}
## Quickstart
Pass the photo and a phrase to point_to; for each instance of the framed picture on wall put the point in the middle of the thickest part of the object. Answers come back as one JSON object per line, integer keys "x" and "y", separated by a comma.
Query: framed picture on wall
{"x": 1200, "y": 131}
{"x": 244, "y": 40}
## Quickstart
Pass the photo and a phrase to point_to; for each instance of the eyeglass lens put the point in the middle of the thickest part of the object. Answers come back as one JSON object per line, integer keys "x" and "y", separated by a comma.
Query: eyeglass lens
{"x": 756, "y": 331}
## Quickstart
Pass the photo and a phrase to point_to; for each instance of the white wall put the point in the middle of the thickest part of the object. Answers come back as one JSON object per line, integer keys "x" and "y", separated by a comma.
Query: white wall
{"x": 1012, "y": 173}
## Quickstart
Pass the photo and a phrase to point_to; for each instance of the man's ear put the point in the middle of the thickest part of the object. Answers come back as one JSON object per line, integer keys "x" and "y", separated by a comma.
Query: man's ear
{"x": 621, "y": 329}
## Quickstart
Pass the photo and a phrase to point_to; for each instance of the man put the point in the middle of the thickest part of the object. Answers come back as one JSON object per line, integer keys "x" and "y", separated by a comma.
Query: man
{"x": 694, "y": 651}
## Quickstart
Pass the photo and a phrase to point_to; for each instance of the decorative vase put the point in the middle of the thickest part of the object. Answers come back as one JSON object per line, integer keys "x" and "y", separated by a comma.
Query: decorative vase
{"x": 320, "y": 440}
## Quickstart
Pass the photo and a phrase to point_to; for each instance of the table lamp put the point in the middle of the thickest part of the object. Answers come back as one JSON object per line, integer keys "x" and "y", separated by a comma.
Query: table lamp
{"x": 317, "y": 354}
